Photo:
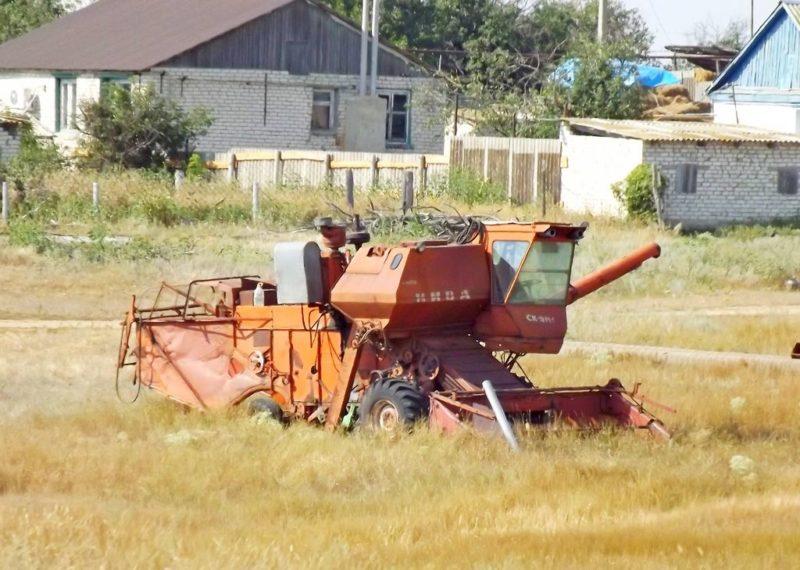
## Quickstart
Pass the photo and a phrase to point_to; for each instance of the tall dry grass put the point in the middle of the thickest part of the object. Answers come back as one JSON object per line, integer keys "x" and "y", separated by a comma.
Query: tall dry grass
{"x": 88, "y": 482}
{"x": 101, "y": 484}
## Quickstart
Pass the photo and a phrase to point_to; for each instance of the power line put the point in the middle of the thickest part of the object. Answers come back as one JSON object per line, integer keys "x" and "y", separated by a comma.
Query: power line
{"x": 659, "y": 22}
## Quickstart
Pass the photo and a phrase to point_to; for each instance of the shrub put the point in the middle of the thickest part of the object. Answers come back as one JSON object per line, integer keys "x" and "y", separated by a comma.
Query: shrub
{"x": 27, "y": 233}
{"x": 35, "y": 160}
{"x": 196, "y": 167}
{"x": 635, "y": 193}
{"x": 139, "y": 129}
{"x": 466, "y": 187}
{"x": 159, "y": 208}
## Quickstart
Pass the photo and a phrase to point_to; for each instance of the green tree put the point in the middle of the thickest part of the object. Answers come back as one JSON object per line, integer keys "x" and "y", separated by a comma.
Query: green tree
{"x": 600, "y": 88}
{"x": 139, "y": 129}
{"x": 20, "y": 16}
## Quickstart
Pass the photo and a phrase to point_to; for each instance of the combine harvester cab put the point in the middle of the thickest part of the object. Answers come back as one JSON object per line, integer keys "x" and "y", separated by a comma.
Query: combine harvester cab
{"x": 390, "y": 335}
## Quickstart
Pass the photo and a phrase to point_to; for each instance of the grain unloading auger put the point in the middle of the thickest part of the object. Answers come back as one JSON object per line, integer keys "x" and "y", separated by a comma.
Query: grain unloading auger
{"x": 389, "y": 335}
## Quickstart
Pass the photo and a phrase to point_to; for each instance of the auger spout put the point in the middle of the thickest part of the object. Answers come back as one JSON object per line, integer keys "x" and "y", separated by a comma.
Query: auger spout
{"x": 595, "y": 280}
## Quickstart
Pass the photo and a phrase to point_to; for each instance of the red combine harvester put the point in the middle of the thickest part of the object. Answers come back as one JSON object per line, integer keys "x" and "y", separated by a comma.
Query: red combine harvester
{"x": 387, "y": 335}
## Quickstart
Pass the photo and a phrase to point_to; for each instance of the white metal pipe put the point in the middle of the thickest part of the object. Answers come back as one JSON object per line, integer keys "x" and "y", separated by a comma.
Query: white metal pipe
{"x": 376, "y": 40}
{"x": 500, "y": 415}
{"x": 362, "y": 80}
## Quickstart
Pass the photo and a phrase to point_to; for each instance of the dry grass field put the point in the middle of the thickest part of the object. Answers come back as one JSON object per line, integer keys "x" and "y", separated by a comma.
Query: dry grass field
{"x": 86, "y": 481}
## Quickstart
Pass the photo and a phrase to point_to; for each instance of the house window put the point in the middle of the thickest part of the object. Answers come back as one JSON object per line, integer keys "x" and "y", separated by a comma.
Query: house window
{"x": 787, "y": 181}
{"x": 686, "y": 180}
{"x": 322, "y": 117}
{"x": 107, "y": 82}
{"x": 67, "y": 103}
{"x": 397, "y": 118}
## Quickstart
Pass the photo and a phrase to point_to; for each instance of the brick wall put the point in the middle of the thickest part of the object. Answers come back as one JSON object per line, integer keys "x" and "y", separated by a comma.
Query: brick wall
{"x": 735, "y": 184}
{"x": 236, "y": 99}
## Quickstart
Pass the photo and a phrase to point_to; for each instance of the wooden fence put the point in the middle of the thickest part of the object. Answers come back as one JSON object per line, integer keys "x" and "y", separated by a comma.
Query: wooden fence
{"x": 528, "y": 169}
{"x": 312, "y": 168}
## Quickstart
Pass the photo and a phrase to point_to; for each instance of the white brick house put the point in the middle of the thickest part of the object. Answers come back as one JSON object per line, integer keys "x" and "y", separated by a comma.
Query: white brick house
{"x": 715, "y": 175}
{"x": 273, "y": 73}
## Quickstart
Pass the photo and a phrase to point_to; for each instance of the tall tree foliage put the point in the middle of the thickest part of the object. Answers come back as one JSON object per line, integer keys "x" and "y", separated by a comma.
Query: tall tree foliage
{"x": 20, "y": 16}
{"x": 501, "y": 55}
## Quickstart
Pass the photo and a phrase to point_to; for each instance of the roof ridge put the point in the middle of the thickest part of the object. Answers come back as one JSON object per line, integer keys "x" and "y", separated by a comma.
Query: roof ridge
{"x": 782, "y": 6}
{"x": 137, "y": 35}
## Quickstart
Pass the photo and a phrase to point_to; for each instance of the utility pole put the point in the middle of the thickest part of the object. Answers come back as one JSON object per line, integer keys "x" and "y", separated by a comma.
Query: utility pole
{"x": 752, "y": 18}
{"x": 376, "y": 22}
{"x": 601, "y": 21}
{"x": 362, "y": 78}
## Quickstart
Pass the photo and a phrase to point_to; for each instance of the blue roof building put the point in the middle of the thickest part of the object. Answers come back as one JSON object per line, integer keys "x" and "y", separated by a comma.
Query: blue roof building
{"x": 761, "y": 86}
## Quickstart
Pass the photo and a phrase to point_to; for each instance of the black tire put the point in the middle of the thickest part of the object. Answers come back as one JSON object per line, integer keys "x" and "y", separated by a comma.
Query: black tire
{"x": 265, "y": 406}
{"x": 391, "y": 405}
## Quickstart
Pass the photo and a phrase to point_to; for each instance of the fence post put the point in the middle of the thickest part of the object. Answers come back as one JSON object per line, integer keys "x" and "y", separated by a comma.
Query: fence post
{"x": 96, "y": 196}
{"x": 328, "y": 169}
{"x": 510, "y": 179}
{"x": 654, "y": 185}
{"x": 255, "y": 201}
{"x": 486, "y": 159}
{"x": 408, "y": 191}
{"x": 540, "y": 188}
{"x": 5, "y": 203}
{"x": 423, "y": 175}
{"x": 180, "y": 175}
{"x": 373, "y": 171}
{"x": 349, "y": 185}
{"x": 232, "y": 167}
{"x": 278, "y": 177}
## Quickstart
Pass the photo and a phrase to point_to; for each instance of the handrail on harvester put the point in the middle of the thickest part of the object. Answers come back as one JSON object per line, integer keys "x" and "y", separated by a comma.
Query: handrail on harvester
{"x": 611, "y": 272}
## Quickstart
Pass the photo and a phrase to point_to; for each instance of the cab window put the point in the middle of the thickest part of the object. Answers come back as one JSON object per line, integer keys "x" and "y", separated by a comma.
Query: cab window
{"x": 507, "y": 256}
{"x": 544, "y": 278}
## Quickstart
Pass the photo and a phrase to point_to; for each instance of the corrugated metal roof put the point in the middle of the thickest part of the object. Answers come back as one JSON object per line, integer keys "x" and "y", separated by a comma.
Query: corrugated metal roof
{"x": 129, "y": 35}
{"x": 669, "y": 131}
{"x": 10, "y": 118}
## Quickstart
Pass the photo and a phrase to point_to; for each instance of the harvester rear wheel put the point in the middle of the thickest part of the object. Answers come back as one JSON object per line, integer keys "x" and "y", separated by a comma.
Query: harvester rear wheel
{"x": 391, "y": 405}
{"x": 266, "y": 407}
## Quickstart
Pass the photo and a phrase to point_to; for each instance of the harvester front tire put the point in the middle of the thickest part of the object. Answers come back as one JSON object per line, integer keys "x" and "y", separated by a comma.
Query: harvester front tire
{"x": 392, "y": 405}
{"x": 265, "y": 407}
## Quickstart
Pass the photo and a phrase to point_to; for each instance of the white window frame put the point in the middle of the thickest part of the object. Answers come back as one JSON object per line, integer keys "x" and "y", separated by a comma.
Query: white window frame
{"x": 331, "y": 109}
{"x": 67, "y": 109}
{"x": 389, "y": 95}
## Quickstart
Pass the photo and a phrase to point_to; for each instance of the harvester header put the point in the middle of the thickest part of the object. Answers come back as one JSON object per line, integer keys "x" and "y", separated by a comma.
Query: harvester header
{"x": 387, "y": 335}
